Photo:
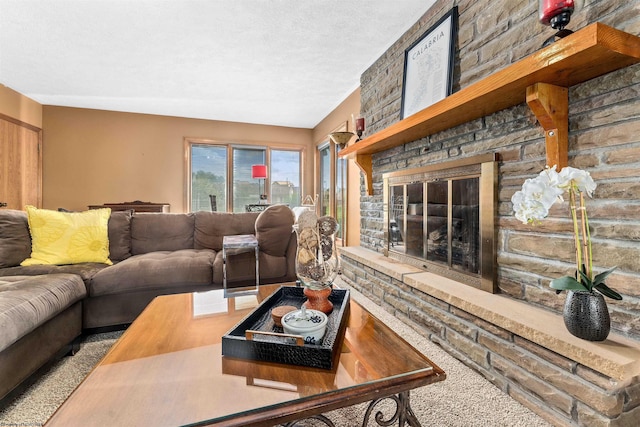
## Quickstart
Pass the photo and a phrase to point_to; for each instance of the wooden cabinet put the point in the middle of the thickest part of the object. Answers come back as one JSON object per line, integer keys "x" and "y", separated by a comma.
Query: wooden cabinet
{"x": 136, "y": 206}
{"x": 20, "y": 164}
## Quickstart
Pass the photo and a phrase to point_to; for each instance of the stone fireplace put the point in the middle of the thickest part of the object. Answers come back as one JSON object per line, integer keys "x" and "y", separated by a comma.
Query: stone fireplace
{"x": 515, "y": 337}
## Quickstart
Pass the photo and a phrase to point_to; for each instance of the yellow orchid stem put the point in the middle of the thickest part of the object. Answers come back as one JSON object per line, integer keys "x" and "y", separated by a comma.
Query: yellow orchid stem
{"x": 586, "y": 238}
{"x": 576, "y": 232}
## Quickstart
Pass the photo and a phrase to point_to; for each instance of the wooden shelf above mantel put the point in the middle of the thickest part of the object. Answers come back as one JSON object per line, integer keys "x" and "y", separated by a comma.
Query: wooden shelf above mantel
{"x": 588, "y": 53}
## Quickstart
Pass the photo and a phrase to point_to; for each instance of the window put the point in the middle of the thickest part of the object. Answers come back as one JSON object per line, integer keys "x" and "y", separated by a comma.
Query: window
{"x": 325, "y": 179}
{"x": 285, "y": 177}
{"x": 219, "y": 175}
{"x": 341, "y": 196}
{"x": 332, "y": 185}
{"x": 208, "y": 177}
{"x": 246, "y": 190}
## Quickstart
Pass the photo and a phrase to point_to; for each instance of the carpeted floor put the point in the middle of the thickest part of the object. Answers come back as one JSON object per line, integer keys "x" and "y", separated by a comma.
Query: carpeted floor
{"x": 464, "y": 399}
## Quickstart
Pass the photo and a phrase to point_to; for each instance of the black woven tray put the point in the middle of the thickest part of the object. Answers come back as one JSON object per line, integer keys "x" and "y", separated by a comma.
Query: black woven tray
{"x": 279, "y": 348}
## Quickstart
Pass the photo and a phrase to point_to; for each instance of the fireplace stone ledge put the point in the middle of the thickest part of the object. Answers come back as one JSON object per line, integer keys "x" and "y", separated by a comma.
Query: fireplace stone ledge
{"x": 617, "y": 357}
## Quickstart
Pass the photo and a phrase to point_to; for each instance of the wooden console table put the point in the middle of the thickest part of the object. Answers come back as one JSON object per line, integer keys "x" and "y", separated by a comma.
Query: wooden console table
{"x": 136, "y": 206}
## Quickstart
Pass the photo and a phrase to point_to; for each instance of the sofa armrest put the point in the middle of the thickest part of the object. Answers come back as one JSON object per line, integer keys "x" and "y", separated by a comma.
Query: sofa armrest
{"x": 291, "y": 256}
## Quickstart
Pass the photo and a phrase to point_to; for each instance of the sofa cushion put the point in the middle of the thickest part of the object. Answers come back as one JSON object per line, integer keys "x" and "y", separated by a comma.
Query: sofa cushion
{"x": 152, "y": 232}
{"x": 15, "y": 240}
{"x": 211, "y": 227}
{"x": 120, "y": 235}
{"x": 85, "y": 270}
{"x": 155, "y": 270}
{"x": 68, "y": 237}
{"x": 27, "y": 302}
{"x": 274, "y": 226}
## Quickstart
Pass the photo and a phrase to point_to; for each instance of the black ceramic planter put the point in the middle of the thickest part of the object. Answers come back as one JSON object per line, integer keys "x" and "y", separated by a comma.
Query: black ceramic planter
{"x": 586, "y": 315}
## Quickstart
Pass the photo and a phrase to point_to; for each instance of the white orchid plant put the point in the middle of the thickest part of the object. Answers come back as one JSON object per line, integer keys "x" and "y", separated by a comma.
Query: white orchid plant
{"x": 532, "y": 204}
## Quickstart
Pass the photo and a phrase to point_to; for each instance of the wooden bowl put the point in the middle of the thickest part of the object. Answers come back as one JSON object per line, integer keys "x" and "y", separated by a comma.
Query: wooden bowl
{"x": 278, "y": 312}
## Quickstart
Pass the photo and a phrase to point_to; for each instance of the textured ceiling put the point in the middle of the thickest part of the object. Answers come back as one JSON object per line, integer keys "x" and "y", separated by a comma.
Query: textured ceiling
{"x": 279, "y": 62}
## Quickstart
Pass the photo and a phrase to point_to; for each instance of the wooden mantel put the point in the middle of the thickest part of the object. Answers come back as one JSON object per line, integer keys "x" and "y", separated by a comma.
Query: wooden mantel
{"x": 541, "y": 79}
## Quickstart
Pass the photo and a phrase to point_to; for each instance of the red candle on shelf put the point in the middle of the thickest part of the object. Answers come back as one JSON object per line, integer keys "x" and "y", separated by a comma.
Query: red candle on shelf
{"x": 551, "y": 8}
{"x": 359, "y": 127}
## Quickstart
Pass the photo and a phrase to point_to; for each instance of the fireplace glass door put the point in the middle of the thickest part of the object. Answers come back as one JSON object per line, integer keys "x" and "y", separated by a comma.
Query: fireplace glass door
{"x": 450, "y": 218}
{"x": 438, "y": 222}
{"x": 465, "y": 225}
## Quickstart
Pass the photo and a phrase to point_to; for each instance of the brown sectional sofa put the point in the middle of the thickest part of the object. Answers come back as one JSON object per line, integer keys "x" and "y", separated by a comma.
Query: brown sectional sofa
{"x": 43, "y": 308}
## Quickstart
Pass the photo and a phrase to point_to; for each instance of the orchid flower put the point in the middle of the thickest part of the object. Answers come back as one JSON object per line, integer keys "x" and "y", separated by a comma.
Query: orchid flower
{"x": 532, "y": 204}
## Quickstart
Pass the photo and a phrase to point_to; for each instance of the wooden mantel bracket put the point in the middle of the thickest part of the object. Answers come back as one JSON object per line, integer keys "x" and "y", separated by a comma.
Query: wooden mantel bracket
{"x": 364, "y": 163}
{"x": 550, "y": 104}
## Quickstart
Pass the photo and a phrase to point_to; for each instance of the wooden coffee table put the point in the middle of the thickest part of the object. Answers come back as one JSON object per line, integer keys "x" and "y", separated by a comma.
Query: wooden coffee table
{"x": 167, "y": 369}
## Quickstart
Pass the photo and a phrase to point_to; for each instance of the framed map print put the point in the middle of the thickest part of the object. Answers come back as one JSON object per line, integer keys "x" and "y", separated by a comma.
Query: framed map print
{"x": 428, "y": 66}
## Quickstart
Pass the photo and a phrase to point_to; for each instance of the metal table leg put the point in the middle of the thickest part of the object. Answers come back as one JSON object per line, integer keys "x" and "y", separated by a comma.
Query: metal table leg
{"x": 257, "y": 268}
{"x": 403, "y": 414}
{"x": 224, "y": 269}
{"x": 320, "y": 418}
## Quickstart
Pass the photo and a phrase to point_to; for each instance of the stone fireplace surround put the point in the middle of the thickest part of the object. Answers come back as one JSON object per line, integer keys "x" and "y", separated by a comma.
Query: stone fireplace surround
{"x": 522, "y": 348}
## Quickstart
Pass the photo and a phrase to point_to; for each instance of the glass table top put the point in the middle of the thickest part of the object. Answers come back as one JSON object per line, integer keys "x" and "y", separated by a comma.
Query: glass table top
{"x": 168, "y": 368}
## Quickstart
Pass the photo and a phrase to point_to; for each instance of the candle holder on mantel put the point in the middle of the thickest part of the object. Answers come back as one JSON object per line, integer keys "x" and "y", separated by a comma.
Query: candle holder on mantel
{"x": 557, "y": 14}
{"x": 359, "y": 127}
{"x": 317, "y": 260}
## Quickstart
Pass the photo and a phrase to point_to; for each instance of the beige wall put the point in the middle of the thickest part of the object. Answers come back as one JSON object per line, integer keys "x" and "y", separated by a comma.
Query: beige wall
{"x": 94, "y": 157}
{"x": 340, "y": 116}
{"x": 19, "y": 107}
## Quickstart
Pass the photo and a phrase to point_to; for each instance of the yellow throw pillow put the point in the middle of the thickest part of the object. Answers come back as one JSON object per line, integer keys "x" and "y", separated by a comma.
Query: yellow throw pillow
{"x": 68, "y": 237}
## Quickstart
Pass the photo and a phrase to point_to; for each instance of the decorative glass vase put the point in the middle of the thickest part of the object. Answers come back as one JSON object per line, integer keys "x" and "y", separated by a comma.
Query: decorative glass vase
{"x": 586, "y": 315}
{"x": 317, "y": 260}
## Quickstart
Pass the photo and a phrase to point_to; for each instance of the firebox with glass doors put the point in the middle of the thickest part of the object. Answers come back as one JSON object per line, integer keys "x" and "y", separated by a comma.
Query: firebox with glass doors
{"x": 441, "y": 218}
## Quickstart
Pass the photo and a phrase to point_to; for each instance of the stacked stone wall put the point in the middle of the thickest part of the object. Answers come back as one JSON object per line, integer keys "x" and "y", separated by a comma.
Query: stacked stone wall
{"x": 560, "y": 390}
{"x": 604, "y": 126}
